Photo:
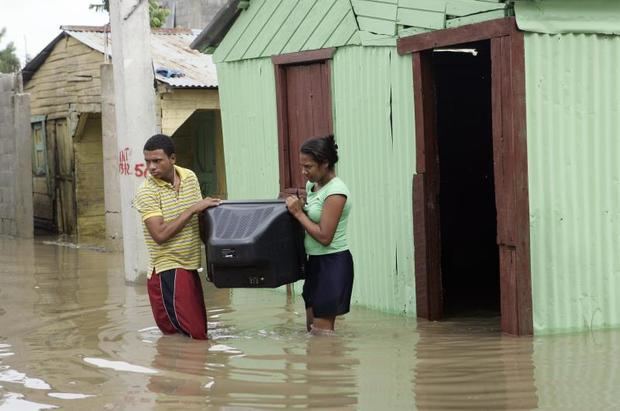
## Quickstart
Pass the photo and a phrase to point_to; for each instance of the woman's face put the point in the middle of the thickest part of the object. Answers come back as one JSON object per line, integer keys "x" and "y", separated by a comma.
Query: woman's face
{"x": 312, "y": 170}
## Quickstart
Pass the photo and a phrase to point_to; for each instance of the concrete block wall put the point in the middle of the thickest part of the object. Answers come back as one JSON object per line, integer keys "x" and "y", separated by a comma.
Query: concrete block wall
{"x": 191, "y": 14}
{"x": 16, "y": 215}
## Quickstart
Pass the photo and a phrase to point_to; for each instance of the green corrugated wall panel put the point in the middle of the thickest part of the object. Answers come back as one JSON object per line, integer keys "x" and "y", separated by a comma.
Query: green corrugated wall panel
{"x": 355, "y": 39}
{"x": 420, "y": 18}
{"x": 328, "y": 26}
{"x": 280, "y": 15}
{"x": 385, "y": 11}
{"x": 403, "y": 152}
{"x": 371, "y": 39}
{"x": 430, "y": 5}
{"x": 376, "y": 25}
{"x": 377, "y": 162}
{"x": 236, "y": 31}
{"x": 373, "y": 123}
{"x": 475, "y": 18}
{"x": 272, "y": 27}
{"x": 573, "y": 118}
{"x": 288, "y": 28}
{"x": 569, "y": 16}
{"x": 343, "y": 33}
{"x": 249, "y": 125}
{"x": 259, "y": 23}
{"x": 467, "y": 7}
{"x": 308, "y": 25}
{"x": 411, "y": 31}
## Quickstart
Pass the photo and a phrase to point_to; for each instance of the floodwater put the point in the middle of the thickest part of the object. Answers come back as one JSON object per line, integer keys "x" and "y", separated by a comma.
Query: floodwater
{"x": 75, "y": 336}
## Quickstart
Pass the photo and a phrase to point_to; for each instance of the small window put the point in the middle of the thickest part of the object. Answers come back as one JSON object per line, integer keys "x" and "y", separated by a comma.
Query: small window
{"x": 39, "y": 157}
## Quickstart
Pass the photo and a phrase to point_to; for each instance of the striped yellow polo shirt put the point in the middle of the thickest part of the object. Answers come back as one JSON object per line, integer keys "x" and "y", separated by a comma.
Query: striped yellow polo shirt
{"x": 157, "y": 197}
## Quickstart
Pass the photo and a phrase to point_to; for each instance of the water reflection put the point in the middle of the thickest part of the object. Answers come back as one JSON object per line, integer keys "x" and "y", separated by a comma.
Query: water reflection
{"x": 468, "y": 364}
{"x": 74, "y": 335}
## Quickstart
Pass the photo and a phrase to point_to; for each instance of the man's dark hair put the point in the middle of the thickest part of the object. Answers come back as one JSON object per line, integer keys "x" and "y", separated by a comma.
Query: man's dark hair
{"x": 160, "y": 141}
{"x": 322, "y": 150}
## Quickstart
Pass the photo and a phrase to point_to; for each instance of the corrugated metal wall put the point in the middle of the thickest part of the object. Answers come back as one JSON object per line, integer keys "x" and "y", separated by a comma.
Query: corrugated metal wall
{"x": 249, "y": 124}
{"x": 373, "y": 123}
{"x": 573, "y": 116}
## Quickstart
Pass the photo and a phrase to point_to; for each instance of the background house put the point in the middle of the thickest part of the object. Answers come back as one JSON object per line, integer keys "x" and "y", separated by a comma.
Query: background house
{"x": 477, "y": 146}
{"x": 64, "y": 81}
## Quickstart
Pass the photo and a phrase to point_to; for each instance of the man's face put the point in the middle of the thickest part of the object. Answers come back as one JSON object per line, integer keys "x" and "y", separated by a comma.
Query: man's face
{"x": 159, "y": 164}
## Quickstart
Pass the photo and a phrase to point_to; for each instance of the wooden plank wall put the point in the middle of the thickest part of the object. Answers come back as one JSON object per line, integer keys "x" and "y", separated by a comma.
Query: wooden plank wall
{"x": 177, "y": 105}
{"x": 380, "y": 20}
{"x": 89, "y": 190}
{"x": 69, "y": 79}
{"x": 273, "y": 27}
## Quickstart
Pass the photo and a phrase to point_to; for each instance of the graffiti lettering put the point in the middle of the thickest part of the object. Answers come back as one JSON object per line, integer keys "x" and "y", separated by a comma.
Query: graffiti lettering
{"x": 123, "y": 162}
{"x": 124, "y": 165}
{"x": 140, "y": 170}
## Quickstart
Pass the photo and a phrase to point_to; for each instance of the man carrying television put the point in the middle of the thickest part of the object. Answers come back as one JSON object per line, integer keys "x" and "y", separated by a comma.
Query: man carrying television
{"x": 169, "y": 202}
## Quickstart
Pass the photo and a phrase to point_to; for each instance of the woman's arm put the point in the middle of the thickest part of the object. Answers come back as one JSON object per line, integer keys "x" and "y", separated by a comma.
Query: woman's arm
{"x": 324, "y": 231}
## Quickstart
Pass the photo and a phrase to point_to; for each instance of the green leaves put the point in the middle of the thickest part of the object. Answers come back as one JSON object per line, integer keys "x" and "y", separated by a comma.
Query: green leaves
{"x": 9, "y": 63}
{"x": 157, "y": 13}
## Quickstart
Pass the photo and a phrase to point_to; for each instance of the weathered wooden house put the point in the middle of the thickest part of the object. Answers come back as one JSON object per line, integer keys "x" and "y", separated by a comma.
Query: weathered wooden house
{"x": 477, "y": 138}
{"x": 64, "y": 82}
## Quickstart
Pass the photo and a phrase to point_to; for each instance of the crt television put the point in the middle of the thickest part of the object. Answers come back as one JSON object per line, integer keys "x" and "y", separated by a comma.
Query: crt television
{"x": 253, "y": 244}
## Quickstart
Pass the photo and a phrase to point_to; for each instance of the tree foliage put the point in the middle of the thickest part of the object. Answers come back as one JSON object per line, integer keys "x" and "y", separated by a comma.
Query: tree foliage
{"x": 9, "y": 63}
{"x": 157, "y": 13}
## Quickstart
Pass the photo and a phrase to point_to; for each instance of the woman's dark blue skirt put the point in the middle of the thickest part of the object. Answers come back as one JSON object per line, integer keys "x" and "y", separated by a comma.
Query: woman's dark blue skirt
{"x": 329, "y": 283}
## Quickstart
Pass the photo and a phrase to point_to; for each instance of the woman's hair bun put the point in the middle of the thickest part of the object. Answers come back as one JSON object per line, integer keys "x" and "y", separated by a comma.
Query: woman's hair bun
{"x": 322, "y": 149}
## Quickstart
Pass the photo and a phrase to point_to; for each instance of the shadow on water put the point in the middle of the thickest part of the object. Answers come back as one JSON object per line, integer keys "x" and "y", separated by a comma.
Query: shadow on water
{"x": 74, "y": 335}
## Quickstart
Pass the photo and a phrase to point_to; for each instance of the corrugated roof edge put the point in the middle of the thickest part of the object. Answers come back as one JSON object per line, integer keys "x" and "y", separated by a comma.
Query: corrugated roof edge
{"x": 215, "y": 31}
{"x": 106, "y": 28}
{"x": 33, "y": 65}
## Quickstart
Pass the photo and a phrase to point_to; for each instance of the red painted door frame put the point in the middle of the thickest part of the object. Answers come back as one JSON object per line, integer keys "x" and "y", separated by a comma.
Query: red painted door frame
{"x": 281, "y": 65}
{"x": 510, "y": 167}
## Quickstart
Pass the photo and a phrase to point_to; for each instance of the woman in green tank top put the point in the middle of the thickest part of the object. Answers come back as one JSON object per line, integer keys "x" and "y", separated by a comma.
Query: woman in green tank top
{"x": 324, "y": 215}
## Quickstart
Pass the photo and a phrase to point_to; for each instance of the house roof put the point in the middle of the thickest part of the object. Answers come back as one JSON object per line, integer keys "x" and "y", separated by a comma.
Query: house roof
{"x": 174, "y": 62}
{"x": 271, "y": 27}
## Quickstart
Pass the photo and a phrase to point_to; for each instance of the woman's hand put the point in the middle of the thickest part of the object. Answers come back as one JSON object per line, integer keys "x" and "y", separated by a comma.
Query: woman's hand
{"x": 294, "y": 205}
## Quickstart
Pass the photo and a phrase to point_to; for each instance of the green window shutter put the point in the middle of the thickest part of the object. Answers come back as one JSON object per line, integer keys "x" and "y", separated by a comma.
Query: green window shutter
{"x": 39, "y": 154}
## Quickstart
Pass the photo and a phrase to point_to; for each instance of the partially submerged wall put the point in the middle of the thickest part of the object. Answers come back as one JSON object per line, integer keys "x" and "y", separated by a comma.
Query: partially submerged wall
{"x": 16, "y": 157}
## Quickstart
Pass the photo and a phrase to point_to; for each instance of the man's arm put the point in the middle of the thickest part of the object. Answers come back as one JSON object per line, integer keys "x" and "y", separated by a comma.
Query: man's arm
{"x": 161, "y": 231}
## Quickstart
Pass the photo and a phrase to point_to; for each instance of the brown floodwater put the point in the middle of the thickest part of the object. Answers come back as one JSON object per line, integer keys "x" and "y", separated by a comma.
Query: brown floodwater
{"x": 74, "y": 335}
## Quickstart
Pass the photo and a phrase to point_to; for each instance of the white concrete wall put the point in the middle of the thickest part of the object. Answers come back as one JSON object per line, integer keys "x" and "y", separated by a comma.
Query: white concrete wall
{"x": 111, "y": 175}
{"x": 135, "y": 117}
{"x": 16, "y": 216}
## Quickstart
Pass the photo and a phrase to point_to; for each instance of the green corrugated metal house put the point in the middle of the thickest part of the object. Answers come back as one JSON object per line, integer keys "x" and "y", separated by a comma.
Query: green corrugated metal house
{"x": 477, "y": 137}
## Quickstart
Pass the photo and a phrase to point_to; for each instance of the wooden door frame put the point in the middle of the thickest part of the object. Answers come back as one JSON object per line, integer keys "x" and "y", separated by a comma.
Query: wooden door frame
{"x": 279, "y": 63}
{"x": 510, "y": 164}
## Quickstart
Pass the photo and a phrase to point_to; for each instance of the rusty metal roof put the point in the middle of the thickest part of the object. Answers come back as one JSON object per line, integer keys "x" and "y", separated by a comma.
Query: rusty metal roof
{"x": 170, "y": 51}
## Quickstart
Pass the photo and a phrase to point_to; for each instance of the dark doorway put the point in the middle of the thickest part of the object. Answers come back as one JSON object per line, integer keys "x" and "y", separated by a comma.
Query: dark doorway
{"x": 468, "y": 219}
{"x": 200, "y": 147}
{"x": 509, "y": 147}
